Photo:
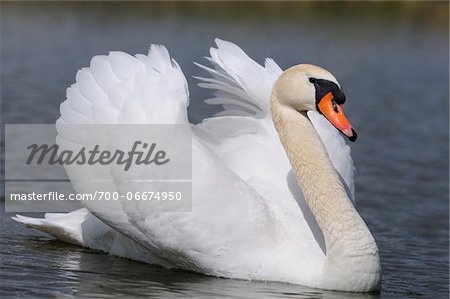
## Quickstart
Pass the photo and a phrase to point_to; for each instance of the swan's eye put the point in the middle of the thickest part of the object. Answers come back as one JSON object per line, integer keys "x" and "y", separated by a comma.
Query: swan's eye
{"x": 312, "y": 80}
{"x": 335, "y": 108}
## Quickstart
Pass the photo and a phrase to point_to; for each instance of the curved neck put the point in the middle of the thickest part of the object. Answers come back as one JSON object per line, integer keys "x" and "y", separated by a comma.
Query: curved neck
{"x": 346, "y": 235}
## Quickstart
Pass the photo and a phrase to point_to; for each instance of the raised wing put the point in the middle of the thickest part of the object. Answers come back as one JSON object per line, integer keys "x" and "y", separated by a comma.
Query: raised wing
{"x": 121, "y": 89}
{"x": 228, "y": 219}
{"x": 242, "y": 85}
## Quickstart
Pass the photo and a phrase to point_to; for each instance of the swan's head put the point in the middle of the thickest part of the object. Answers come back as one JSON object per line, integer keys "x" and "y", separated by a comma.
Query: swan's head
{"x": 307, "y": 87}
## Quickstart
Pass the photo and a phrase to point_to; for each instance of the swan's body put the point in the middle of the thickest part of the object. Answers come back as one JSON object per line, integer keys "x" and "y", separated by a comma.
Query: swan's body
{"x": 249, "y": 218}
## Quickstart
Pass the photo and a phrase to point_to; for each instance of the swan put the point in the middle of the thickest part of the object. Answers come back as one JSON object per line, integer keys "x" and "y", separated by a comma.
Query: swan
{"x": 272, "y": 178}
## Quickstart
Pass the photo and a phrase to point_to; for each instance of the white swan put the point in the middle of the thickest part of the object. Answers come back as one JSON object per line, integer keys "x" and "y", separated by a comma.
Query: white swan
{"x": 249, "y": 218}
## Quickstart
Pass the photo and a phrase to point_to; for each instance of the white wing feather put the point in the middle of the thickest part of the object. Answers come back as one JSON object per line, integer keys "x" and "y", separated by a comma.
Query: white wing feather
{"x": 241, "y": 84}
{"x": 122, "y": 89}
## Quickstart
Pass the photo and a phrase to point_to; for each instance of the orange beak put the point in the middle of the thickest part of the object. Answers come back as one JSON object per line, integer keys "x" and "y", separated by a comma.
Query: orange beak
{"x": 335, "y": 115}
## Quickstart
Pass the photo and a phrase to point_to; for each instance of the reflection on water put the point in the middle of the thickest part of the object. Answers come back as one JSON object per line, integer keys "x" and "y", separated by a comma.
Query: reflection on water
{"x": 391, "y": 58}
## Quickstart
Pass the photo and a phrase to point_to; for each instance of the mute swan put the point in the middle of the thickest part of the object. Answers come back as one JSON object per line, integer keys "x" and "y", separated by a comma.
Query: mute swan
{"x": 249, "y": 219}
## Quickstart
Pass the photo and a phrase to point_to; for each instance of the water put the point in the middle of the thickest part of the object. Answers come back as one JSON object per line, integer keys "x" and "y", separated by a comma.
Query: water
{"x": 392, "y": 60}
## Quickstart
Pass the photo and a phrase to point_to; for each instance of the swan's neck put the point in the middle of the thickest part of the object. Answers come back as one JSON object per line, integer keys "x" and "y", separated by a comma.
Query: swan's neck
{"x": 350, "y": 246}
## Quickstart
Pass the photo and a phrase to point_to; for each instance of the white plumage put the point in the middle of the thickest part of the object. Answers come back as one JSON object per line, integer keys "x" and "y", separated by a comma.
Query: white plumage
{"x": 249, "y": 219}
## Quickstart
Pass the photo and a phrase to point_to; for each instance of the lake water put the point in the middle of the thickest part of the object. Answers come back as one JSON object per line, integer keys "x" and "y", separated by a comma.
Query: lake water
{"x": 391, "y": 58}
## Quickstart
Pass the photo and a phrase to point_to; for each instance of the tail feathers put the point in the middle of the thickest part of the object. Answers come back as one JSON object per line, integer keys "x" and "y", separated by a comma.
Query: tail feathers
{"x": 82, "y": 228}
{"x": 242, "y": 86}
{"x": 65, "y": 227}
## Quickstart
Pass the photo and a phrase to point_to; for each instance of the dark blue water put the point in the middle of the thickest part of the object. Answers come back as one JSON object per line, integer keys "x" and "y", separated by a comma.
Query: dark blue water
{"x": 391, "y": 58}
